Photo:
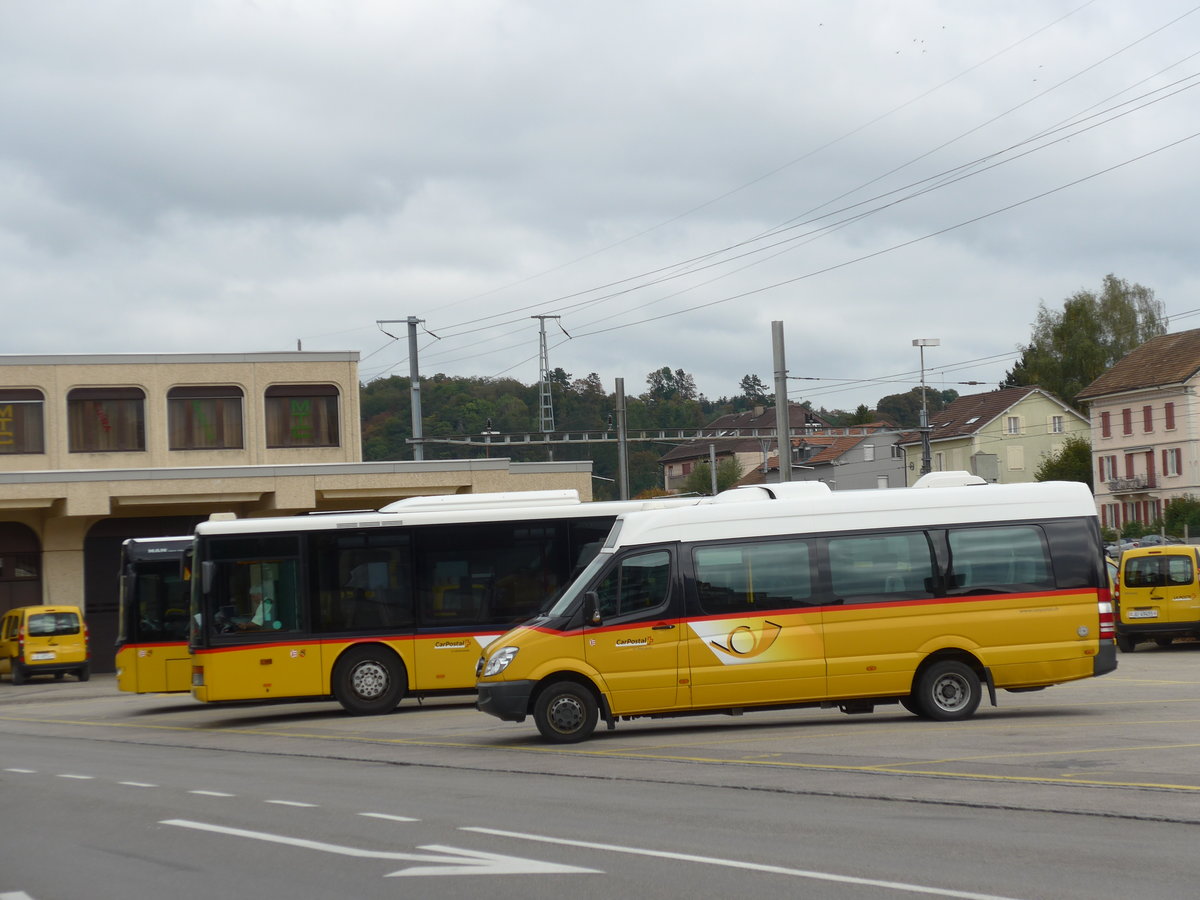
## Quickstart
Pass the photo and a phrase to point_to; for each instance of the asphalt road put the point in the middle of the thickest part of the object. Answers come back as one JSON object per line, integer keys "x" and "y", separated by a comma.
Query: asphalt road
{"x": 1083, "y": 790}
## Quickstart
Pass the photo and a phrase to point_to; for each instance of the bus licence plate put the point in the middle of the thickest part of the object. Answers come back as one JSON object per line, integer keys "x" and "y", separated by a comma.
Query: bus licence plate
{"x": 46, "y": 654}
{"x": 1143, "y": 614}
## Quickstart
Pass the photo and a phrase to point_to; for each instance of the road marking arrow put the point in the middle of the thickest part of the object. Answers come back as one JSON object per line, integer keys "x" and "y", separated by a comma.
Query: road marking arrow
{"x": 454, "y": 861}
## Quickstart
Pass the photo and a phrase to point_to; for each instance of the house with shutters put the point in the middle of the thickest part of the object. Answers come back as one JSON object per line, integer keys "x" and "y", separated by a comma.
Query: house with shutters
{"x": 1002, "y": 436}
{"x": 1143, "y": 429}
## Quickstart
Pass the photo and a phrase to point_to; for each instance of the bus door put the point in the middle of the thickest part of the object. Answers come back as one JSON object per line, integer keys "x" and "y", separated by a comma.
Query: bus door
{"x": 259, "y": 642}
{"x": 637, "y": 644}
{"x": 754, "y": 630}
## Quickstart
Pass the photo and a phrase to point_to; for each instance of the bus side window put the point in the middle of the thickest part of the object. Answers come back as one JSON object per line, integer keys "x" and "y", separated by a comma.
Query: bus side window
{"x": 999, "y": 559}
{"x": 878, "y": 567}
{"x": 638, "y": 584}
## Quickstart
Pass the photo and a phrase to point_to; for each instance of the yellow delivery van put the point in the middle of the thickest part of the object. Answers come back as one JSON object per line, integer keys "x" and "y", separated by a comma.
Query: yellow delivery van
{"x": 1159, "y": 596}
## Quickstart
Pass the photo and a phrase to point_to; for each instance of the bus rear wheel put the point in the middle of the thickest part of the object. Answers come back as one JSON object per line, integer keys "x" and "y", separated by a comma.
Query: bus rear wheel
{"x": 947, "y": 691}
{"x": 566, "y": 713}
{"x": 369, "y": 681}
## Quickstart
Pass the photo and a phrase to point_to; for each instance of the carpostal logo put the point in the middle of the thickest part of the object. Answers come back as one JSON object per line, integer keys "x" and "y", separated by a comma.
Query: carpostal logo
{"x": 733, "y": 641}
{"x": 635, "y": 642}
{"x": 450, "y": 645}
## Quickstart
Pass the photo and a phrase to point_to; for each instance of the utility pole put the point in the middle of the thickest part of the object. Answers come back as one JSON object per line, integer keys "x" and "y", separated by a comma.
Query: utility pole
{"x": 622, "y": 444}
{"x": 926, "y": 462}
{"x": 783, "y": 413}
{"x": 547, "y": 400}
{"x": 414, "y": 377}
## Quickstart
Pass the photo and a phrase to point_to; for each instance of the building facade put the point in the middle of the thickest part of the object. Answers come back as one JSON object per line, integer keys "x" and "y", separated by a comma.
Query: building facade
{"x": 1001, "y": 436}
{"x": 1143, "y": 429}
{"x": 95, "y": 449}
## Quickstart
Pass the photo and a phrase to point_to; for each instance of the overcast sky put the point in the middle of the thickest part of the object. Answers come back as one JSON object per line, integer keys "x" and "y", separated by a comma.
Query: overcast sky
{"x": 667, "y": 177}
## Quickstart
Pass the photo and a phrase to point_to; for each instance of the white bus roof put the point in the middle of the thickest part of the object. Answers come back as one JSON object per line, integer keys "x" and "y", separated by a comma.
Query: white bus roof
{"x": 403, "y": 514}
{"x": 812, "y": 510}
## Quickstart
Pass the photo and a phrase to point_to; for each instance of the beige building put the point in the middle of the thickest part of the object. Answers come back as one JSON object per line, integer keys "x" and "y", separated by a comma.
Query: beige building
{"x": 1001, "y": 436}
{"x": 95, "y": 449}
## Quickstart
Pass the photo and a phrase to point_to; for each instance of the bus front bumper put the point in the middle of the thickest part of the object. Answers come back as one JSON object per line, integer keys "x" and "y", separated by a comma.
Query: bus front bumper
{"x": 506, "y": 700}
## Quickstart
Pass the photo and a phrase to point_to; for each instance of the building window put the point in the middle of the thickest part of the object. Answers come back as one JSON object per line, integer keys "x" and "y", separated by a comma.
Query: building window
{"x": 1169, "y": 416}
{"x": 869, "y": 453}
{"x": 1012, "y": 425}
{"x": 1056, "y": 425}
{"x": 106, "y": 419}
{"x": 1016, "y": 459}
{"x": 1172, "y": 461}
{"x": 898, "y": 452}
{"x": 1147, "y": 418}
{"x": 939, "y": 462}
{"x": 881, "y": 482}
{"x": 22, "y": 428}
{"x": 302, "y": 415}
{"x": 205, "y": 418}
{"x": 1105, "y": 424}
{"x": 1127, "y": 421}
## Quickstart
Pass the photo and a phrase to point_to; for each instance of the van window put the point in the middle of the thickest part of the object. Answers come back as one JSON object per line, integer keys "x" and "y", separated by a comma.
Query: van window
{"x": 880, "y": 567}
{"x": 750, "y": 577}
{"x": 1158, "y": 571}
{"x": 52, "y": 624}
{"x": 999, "y": 559}
{"x": 638, "y": 584}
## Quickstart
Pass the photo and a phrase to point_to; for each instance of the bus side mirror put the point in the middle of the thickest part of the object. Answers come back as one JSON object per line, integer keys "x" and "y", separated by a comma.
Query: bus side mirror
{"x": 591, "y": 608}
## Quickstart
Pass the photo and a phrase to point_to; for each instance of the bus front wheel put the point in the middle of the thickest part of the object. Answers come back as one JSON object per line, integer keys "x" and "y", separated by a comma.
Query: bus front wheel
{"x": 369, "y": 681}
{"x": 947, "y": 691}
{"x": 566, "y": 713}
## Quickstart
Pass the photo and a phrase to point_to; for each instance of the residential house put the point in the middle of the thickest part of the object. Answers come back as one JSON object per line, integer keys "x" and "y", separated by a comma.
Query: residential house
{"x": 748, "y": 437}
{"x": 1002, "y": 436}
{"x": 856, "y": 458}
{"x": 1143, "y": 429}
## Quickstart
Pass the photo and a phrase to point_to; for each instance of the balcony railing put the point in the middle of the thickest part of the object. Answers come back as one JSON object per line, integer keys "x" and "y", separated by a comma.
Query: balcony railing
{"x": 1131, "y": 485}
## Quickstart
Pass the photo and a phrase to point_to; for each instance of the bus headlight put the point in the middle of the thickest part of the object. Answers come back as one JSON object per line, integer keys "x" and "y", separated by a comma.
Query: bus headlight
{"x": 499, "y": 661}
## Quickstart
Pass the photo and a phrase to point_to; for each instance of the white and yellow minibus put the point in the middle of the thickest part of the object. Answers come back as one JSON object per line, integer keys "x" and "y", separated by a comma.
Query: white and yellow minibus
{"x": 794, "y": 595}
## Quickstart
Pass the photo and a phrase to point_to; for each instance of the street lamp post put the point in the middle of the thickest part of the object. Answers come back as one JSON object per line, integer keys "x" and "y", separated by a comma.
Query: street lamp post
{"x": 926, "y": 463}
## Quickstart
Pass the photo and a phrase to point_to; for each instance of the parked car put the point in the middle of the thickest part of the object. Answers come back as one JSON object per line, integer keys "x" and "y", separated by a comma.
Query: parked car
{"x": 1116, "y": 548}
{"x": 43, "y": 640}
{"x": 1158, "y": 540}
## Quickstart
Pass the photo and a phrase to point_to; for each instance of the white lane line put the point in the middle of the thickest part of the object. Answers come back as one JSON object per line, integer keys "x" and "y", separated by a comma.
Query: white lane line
{"x": 14, "y": 895}
{"x": 740, "y": 864}
{"x": 76, "y": 777}
{"x": 20, "y": 772}
{"x": 212, "y": 794}
{"x": 292, "y": 803}
{"x": 137, "y": 784}
{"x": 387, "y": 817}
{"x": 447, "y": 861}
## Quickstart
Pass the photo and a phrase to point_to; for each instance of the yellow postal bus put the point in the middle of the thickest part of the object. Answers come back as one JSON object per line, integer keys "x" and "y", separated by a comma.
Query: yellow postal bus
{"x": 794, "y": 595}
{"x": 152, "y": 623}
{"x": 370, "y": 607}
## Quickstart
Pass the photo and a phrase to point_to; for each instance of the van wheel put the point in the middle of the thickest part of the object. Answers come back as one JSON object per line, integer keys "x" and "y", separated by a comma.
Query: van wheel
{"x": 18, "y": 672}
{"x": 947, "y": 691}
{"x": 1125, "y": 643}
{"x": 83, "y": 673}
{"x": 369, "y": 681}
{"x": 566, "y": 713}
